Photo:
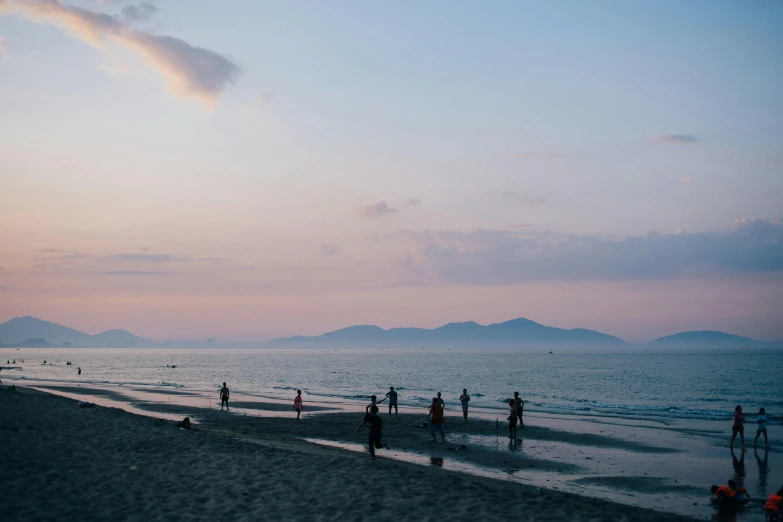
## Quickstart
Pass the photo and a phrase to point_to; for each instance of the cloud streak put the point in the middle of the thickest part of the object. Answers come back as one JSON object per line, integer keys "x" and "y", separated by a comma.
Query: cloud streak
{"x": 189, "y": 71}
{"x": 328, "y": 249}
{"x": 522, "y": 199}
{"x": 498, "y": 257}
{"x": 675, "y": 138}
{"x": 141, "y": 12}
{"x": 377, "y": 210}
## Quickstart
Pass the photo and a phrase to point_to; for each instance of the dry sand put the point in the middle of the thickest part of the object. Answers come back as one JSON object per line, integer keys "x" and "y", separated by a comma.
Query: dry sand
{"x": 61, "y": 462}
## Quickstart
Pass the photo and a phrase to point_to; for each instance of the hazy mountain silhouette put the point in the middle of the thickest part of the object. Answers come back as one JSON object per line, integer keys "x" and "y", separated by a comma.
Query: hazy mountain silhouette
{"x": 711, "y": 338}
{"x": 21, "y": 331}
{"x": 510, "y": 332}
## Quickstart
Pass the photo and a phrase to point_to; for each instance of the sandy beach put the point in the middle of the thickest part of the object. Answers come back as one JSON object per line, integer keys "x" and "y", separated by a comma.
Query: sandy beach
{"x": 62, "y": 462}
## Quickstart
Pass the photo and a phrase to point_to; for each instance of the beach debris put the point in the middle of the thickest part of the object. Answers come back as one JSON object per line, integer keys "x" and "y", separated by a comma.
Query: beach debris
{"x": 134, "y": 468}
{"x": 83, "y": 404}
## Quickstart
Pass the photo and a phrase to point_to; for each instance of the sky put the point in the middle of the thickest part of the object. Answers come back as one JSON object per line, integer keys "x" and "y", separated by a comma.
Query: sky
{"x": 249, "y": 169}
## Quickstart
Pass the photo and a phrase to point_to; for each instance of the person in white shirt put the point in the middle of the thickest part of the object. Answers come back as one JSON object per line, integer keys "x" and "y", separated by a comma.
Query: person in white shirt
{"x": 761, "y": 420}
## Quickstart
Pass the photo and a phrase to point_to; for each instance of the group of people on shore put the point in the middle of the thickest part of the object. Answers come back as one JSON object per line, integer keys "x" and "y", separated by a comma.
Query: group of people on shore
{"x": 738, "y": 427}
{"x": 733, "y": 495}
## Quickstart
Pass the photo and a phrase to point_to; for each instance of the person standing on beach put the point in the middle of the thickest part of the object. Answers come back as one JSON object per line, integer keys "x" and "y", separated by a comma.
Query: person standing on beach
{"x": 298, "y": 403}
{"x": 440, "y": 400}
{"x": 512, "y": 420}
{"x": 761, "y": 420}
{"x": 224, "y": 395}
{"x": 464, "y": 399}
{"x": 519, "y": 406}
{"x": 376, "y": 429}
{"x": 79, "y": 370}
{"x": 392, "y": 396}
{"x": 436, "y": 420}
{"x": 738, "y": 427}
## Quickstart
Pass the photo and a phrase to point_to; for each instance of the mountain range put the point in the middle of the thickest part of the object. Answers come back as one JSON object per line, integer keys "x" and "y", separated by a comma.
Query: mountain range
{"x": 32, "y": 332}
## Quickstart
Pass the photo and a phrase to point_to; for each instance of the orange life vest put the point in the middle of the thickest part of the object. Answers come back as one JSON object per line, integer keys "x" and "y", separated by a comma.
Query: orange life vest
{"x": 773, "y": 503}
{"x": 725, "y": 492}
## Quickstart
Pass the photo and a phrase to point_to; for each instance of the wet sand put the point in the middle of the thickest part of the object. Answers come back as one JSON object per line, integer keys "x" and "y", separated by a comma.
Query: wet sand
{"x": 67, "y": 463}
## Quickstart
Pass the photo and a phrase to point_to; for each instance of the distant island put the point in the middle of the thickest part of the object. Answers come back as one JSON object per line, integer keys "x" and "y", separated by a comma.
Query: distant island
{"x": 31, "y": 332}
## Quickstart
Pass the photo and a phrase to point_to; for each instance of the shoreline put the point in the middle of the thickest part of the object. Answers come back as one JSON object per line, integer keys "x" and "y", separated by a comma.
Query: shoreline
{"x": 96, "y": 430}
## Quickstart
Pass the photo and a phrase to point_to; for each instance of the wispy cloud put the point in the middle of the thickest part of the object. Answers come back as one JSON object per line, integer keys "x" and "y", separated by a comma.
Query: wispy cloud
{"x": 377, "y": 210}
{"x": 518, "y": 198}
{"x": 141, "y": 12}
{"x": 414, "y": 202}
{"x": 136, "y": 273}
{"x": 675, "y": 138}
{"x": 149, "y": 258}
{"x": 189, "y": 71}
{"x": 261, "y": 100}
{"x": 496, "y": 257}
{"x": 534, "y": 154}
{"x": 328, "y": 249}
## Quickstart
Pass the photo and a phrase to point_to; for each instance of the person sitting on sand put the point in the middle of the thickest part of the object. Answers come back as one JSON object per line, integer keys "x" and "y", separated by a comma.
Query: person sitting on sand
{"x": 436, "y": 420}
{"x": 512, "y": 420}
{"x": 519, "y": 406}
{"x": 392, "y": 396}
{"x": 298, "y": 403}
{"x": 738, "y": 427}
{"x": 376, "y": 429}
{"x": 464, "y": 399}
{"x": 772, "y": 507}
{"x": 224, "y": 395}
{"x": 761, "y": 421}
{"x": 185, "y": 423}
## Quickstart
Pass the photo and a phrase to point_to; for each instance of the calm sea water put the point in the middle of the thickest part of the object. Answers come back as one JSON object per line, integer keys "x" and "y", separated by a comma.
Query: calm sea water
{"x": 704, "y": 385}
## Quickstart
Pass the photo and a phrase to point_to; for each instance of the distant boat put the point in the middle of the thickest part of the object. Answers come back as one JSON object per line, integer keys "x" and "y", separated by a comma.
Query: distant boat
{"x": 550, "y": 352}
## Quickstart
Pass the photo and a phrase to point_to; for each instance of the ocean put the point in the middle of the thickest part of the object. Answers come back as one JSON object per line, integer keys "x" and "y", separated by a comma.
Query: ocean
{"x": 655, "y": 386}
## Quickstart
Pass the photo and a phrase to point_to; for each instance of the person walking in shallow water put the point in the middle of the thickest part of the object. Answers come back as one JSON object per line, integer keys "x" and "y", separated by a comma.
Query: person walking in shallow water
{"x": 436, "y": 420}
{"x": 738, "y": 427}
{"x": 224, "y": 395}
{"x": 761, "y": 420}
{"x": 464, "y": 399}
{"x": 298, "y": 403}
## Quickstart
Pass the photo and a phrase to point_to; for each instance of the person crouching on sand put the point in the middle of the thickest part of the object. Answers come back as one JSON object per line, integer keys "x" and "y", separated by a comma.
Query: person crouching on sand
{"x": 298, "y": 403}
{"x": 464, "y": 399}
{"x": 436, "y": 420}
{"x": 224, "y": 395}
{"x": 772, "y": 508}
{"x": 376, "y": 432}
{"x": 738, "y": 427}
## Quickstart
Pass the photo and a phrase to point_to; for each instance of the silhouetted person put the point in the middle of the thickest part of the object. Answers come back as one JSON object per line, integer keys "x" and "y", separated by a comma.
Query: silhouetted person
{"x": 738, "y": 427}
{"x": 392, "y": 396}
{"x": 464, "y": 399}
{"x": 440, "y": 400}
{"x": 298, "y": 403}
{"x": 367, "y": 409}
{"x": 79, "y": 370}
{"x": 224, "y": 395}
{"x": 738, "y": 488}
{"x": 376, "y": 432}
{"x": 512, "y": 420}
{"x": 519, "y": 406}
{"x": 436, "y": 420}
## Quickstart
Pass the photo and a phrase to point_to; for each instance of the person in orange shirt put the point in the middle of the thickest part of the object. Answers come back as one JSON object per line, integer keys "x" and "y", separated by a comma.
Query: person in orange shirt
{"x": 436, "y": 419}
